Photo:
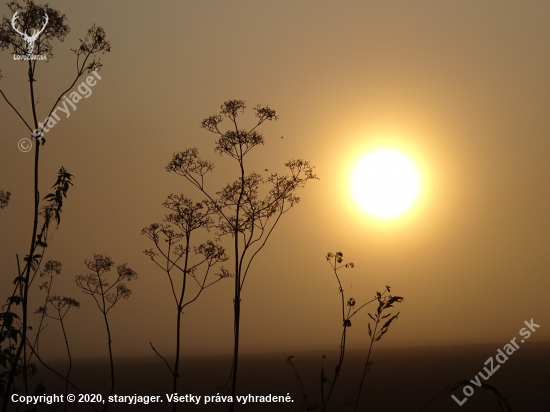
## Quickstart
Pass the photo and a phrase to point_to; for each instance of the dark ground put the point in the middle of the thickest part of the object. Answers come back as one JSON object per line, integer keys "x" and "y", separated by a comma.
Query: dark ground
{"x": 403, "y": 379}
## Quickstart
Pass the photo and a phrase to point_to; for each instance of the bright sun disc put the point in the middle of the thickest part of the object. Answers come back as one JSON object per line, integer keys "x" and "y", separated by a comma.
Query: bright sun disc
{"x": 385, "y": 183}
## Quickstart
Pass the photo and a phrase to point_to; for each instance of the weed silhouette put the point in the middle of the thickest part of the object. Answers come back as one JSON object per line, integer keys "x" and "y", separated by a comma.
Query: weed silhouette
{"x": 172, "y": 241}
{"x": 327, "y": 386}
{"x": 247, "y": 209}
{"x": 14, "y": 328}
{"x": 106, "y": 295}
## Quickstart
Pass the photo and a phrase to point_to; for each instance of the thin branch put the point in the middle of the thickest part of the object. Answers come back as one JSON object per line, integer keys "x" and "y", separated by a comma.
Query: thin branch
{"x": 260, "y": 248}
{"x": 162, "y": 357}
{"x": 21, "y": 117}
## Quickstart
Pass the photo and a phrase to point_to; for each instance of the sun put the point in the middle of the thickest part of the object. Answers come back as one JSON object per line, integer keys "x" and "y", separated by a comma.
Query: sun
{"x": 385, "y": 183}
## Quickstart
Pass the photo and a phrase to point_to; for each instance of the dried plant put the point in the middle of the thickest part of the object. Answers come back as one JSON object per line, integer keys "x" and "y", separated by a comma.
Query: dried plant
{"x": 384, "y": 302}
{"x": 60, "y": 306}
{"x": 30, "y": 18}
{"x": 14, "y": 356}
{"x": 328, "y": 385}
{"x": 104, "y": 294}
{"x": 249, "y": 208}
{"x": 172, "y": 241}
{"x": 242, "y": 212}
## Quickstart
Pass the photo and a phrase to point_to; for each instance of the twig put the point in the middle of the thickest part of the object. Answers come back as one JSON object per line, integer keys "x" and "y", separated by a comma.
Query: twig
{"x": 162, "y": 357}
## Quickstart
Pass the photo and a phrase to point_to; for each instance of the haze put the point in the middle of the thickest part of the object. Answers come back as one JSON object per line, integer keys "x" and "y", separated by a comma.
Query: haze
{"x": 462, "y": 86}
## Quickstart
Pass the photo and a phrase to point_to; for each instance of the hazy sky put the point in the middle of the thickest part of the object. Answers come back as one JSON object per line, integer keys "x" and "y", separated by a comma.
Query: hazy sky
{"x": 462, "y": 86}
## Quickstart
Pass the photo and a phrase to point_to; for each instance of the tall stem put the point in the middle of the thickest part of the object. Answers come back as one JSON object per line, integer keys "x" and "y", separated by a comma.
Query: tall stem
{"x": 22, "y": 344}
{"x": 366, "y": 364}
{"x": 104, "y": 311}
{"x": 237, "y": 300}
{"x": 178, "y": 327}
{"x": 70, "y": 359}
{"x": 342, "y": 340}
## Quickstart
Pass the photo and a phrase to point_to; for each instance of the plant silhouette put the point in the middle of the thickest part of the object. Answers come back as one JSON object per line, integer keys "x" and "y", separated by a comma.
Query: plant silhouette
{"x": 13, "y": 330}
{"x": 327, "y": 385}
{"x": 249, "y": 208}
{"x": 31, "y": 17}
{"x": 185, "y": 219}
{"x": 61, "y": 306}
{"x": 104, "y": 294}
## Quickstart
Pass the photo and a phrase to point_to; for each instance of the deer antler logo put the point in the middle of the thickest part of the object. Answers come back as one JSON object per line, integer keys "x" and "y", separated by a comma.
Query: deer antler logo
{"x": 30, "y": 40}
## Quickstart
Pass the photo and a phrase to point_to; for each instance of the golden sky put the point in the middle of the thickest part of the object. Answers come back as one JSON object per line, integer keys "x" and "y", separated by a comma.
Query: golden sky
{"x": 462, "y": 87}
